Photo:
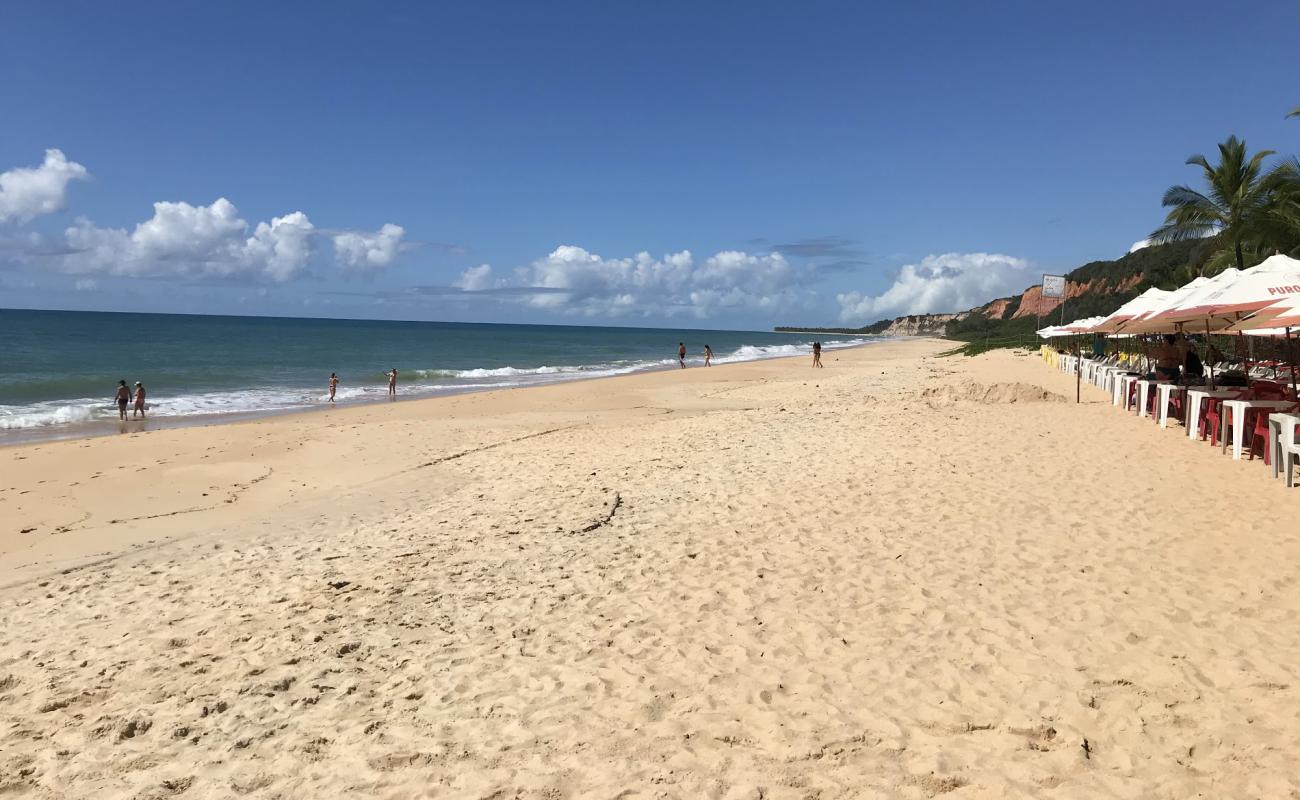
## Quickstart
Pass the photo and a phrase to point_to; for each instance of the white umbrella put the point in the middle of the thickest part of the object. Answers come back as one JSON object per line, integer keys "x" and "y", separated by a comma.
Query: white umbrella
{"x": 1271, "y": 320}
{"x": 1170, "y": 316}
{"x": 1276, "y": 278}
{"x": 1264, "y": 293}
{"x": 1169, "y": 301}
{"x": 1138, "y": 305}
{"x": 1085, "y": 325}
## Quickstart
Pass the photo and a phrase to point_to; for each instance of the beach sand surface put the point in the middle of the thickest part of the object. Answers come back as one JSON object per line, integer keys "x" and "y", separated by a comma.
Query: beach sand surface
{"x": 900, "y": 576}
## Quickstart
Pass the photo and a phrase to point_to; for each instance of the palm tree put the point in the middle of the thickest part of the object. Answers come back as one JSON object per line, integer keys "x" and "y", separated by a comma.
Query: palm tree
{"x": 1232, "y": 208}
{"x": 1279, "y": 228}
{"x": 1294, "y": 113}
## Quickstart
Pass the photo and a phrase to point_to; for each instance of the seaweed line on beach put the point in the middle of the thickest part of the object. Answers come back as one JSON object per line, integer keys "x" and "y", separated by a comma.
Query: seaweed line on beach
{"x": 234, "y": 495}
{"x": 492, "y": 446}
{"x": 607, "y": 518}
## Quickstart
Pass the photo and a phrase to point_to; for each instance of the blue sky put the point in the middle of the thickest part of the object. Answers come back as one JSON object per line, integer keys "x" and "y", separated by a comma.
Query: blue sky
{"x": 775, "y": 162}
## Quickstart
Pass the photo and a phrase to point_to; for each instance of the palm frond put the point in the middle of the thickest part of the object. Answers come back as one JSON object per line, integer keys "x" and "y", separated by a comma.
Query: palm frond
{"x": 1180, "y": 196}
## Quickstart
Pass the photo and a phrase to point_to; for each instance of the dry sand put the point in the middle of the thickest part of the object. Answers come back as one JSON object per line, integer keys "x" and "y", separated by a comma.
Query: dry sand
{"x": 888, "y": 578}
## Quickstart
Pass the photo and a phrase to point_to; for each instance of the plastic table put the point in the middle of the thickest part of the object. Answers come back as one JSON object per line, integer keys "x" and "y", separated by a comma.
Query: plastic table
{"x": 1144, "y": 391}
{"x": 1126, "y": 381}
{"x": 1194, "y": 398}
{"x": 1239, "y": 419}
{"x": 1164, "y": 396}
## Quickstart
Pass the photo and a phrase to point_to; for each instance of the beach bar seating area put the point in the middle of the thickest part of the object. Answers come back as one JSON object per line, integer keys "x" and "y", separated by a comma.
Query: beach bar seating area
{"x": 1218, "y": 356}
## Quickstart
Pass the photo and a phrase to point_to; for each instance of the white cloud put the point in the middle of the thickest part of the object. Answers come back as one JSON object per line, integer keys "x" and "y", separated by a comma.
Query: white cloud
{"x": 86, "y": 284}
{"x": 195, "y": 241}
{"x": 27, "y": 192}
{"x": 475, "y": 279}
{"x": 364, "y": 251}
{"x": 1139, "y": 245}
{"x": 180, "y": 240}
{"x": 940, "y": 283}
{"x": 575, "y": 281}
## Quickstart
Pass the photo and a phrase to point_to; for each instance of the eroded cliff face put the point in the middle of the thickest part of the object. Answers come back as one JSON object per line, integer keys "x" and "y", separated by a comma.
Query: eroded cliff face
{"x": 1032, "y": 303}
{"x": 997, "y": 309}
{"x": 922, "y": 324}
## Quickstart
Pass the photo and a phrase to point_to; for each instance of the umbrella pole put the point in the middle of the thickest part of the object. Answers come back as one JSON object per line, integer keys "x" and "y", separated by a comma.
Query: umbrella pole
{"x": 1208, "y": 345}
{"x": 1292, "y": 359}
{"x": 1078, "y": 375}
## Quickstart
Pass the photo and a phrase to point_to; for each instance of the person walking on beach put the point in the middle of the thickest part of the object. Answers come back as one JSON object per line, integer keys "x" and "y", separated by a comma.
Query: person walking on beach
{"x": 392, "y": 382}
{"x": 817, "y": 354}
{"x": 334, "y": 385}
{"x": 708, "y": 356}
{"x": 123, "y": 397}
{"x": 139, "y": 401}
{"x": 681, "y": 354}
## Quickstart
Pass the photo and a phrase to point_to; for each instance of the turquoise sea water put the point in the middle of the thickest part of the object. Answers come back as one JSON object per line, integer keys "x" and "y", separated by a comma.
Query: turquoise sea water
{"x": 58, "y": 369}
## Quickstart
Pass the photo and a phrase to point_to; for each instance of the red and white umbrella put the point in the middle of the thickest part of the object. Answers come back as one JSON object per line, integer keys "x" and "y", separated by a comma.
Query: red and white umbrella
{"x": 1184, "y": 309}
{"x": 1136, "y": 307}
{"x": 1276, "y": 278}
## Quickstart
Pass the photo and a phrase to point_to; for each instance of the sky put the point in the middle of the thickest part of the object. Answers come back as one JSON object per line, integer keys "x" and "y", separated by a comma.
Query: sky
{"x": 725, "y": 165}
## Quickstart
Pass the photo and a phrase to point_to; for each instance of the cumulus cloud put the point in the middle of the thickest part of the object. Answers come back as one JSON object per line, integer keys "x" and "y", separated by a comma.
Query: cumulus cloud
{"x": 475, "y": 279}
{"x": 28, "y": 192}
{"x": 573, "y": 280}
{"x": 85, "y": 284}
{"x": 940, "y": 283}
{"x": 179, "y": 240}
{"x": 210, "y": 241}
{"x": 1139, "y": 245}
{"x": 362, "y": 251}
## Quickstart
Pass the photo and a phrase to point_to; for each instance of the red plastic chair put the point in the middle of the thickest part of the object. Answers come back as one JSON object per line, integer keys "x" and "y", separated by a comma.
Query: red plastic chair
{"x": 1259, "y": 440}
{"x": 1210, "y": 420}
{"x": 1178, "y": 406}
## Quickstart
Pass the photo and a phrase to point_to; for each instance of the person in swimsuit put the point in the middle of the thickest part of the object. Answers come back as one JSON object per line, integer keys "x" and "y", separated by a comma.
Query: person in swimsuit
{"x": 1169, "y": 357}
{"x": 817, "y": 354}
{"x": 139, "y": 401}
{"x": 708, "y": 356}
{"x": 334, "y": 385}
{"x": 392, "y": 382}
{"x": 123, "y": 397}
{"x": 681, "y": 354}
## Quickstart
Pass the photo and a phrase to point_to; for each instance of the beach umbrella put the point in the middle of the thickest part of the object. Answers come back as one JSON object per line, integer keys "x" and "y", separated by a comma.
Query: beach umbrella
{"x": 1171, "y": 315}
{"x": 1280, "y": 319}
{"x": 1084, "y": 325}
{"x": 1169, "y": 301}
{"x": 1224, "y": 303}
{"x": 1276, "y": 278}
{"x": 1138, "y": 305}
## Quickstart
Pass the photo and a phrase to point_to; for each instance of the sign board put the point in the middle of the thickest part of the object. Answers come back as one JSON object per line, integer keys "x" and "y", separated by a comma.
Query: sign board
{"x": 1053, "y": 286}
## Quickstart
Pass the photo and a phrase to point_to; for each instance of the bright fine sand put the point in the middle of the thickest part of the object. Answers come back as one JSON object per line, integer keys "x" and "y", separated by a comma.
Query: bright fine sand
{"x": 756, "y": 580}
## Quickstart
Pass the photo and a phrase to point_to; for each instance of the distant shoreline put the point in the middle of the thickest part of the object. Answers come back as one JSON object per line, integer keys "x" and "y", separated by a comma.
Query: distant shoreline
{"x": 73, "y": 431}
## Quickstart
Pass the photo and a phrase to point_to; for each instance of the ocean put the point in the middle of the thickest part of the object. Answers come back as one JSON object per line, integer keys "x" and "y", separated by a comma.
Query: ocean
{"x": 59, "y": 369}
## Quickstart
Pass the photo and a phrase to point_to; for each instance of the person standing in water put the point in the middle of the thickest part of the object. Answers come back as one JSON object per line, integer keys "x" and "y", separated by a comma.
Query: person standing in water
{"x": 708, "y": 356}
{"x": 817, "y": 354}
{"x": 139, "y": 401}
{"x": 392, "y": 382}
{"x": 123, "y": 397}
{"x": 681, "y": 354}
{"x": 334, "y": 385}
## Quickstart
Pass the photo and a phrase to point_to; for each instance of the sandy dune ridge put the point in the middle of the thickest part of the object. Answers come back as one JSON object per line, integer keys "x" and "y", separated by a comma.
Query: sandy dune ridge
{"x": 901, "y": 576}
